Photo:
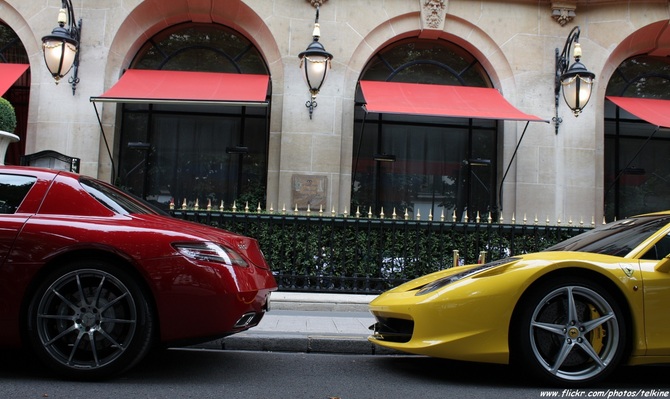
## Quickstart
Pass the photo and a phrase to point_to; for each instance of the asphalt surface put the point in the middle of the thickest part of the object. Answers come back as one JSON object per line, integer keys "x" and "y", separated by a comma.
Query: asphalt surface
{"x": 308, "y": 322}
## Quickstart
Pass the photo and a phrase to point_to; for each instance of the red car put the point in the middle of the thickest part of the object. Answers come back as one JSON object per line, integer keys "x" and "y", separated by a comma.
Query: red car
{"x": 91, "y": 278}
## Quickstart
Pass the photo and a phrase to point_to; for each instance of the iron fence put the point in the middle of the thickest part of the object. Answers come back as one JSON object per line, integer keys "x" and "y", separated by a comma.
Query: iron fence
{"x": 371, "y": 255}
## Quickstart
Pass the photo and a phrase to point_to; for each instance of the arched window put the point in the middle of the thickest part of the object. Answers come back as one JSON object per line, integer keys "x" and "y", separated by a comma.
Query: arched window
{"x": 637, "y": 167}
{"x": 434, "y": 165}
{"x": 210, "y": 153}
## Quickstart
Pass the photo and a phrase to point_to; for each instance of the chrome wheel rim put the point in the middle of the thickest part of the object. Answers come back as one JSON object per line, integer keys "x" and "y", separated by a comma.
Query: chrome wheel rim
{"x": 574, "y": 333}
{"x": 86, "y": 319}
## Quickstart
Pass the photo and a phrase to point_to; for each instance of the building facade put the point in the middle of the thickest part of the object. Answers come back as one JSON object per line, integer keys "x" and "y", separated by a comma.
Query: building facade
{"x": 202, "y": 102}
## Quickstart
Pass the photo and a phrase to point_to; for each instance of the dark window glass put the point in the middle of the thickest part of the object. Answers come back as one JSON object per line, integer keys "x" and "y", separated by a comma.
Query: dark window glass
{"x": 115, "y": 199}
{"x": 13, "y": 189}
{"x": 200, "y": 47}
{"x": 660, "y": 250}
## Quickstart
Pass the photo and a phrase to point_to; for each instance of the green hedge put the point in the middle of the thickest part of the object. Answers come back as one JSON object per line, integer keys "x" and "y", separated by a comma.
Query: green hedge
{"x": 361, "y": 254}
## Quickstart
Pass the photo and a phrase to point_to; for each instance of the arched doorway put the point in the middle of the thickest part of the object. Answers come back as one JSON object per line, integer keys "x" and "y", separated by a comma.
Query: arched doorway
{"x": 191, "y": 150}
{"x": 637, "y": 168}
{"x": 422, "y": 164}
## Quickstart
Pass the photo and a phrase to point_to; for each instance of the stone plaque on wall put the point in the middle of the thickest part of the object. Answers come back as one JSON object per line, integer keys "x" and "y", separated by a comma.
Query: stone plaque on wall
{"x": 309, "y": 190}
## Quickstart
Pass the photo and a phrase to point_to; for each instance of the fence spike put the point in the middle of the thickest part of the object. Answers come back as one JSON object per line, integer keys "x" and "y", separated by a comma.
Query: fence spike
{"x": 430, "y": 215}
{"x": 358, "y": 211}
{"x": 418, "y": 214}
{"x": 406, "y": 214}
{"x": 234, "y": 206}
{"x": 246, "y": 207}
{"x": 221, "y": 207}
{"x": 370, "y": 213}
{"x": 381, "y": 214}
{"x": 345, "y": 211}
{"x": 477, "y": 217}
{"x": 171, "y": 203}
{"x": 184, "y": 205}
{"x": 453, "y": 217}
{"x": 442, "y": 215}
{"x": 394, "y": 215}
{"x": 209, "y": 204}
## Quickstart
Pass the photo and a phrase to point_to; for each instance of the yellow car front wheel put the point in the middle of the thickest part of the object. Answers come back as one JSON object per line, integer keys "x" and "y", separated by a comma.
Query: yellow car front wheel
{"x": 570, "y": 331}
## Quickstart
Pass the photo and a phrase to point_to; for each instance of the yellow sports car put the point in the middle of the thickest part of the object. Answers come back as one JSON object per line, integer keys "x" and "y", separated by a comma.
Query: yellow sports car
{"x": 569, "y": 315}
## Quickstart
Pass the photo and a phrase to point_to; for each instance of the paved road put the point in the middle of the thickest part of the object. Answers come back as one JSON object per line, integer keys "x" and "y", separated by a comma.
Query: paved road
{"x": 203, "y": 374}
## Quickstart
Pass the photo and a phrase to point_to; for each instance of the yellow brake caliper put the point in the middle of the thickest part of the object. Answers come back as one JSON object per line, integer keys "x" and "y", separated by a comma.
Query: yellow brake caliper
{"x": 597, "y": 335}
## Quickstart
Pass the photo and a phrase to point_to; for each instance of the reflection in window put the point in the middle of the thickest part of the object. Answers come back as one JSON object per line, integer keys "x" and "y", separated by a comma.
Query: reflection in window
{"x": 13, "y": 189}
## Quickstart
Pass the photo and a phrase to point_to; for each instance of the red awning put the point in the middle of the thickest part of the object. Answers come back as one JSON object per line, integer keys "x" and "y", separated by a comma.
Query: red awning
{"x": 439, "y": 100}
{"x": 9, "y": 73}
{"x": 156, "y": 86}
{"x": 656, "y": 112}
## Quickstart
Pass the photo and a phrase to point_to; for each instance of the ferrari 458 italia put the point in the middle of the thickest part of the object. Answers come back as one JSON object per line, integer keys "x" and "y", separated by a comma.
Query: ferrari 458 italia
{"x": 570, "y": 314}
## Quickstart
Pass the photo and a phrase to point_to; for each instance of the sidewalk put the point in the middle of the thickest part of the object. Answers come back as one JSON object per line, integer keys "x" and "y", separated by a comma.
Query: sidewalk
{"x": 309, "y": 322}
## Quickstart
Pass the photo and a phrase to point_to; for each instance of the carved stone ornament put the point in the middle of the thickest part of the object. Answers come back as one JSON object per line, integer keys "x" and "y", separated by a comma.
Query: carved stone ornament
{"x": 433, "y": 12}
{"x": 316, "y": 3}
{"x": 563, "y": 11}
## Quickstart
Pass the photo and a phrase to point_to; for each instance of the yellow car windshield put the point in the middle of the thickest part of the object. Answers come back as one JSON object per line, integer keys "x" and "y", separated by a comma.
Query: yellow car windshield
{"x": 616, "y": 238}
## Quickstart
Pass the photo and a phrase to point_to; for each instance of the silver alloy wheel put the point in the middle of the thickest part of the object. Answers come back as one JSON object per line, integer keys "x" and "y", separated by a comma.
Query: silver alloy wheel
{"x": 574, "y": 333}
{"x": 86, "y": 319}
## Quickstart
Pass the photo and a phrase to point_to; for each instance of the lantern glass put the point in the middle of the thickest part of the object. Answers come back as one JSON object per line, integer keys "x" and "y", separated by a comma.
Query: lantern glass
{"x": 315, "y": 70}
{"x": 577, "y": 91}
{"x": 59, "y": 56}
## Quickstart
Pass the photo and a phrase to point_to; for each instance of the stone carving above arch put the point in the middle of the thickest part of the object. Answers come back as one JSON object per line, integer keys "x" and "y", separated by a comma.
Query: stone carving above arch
{"x": 433, "y": 14}
{"x": 563, "y": 11}
{"x": 316, "y": 3}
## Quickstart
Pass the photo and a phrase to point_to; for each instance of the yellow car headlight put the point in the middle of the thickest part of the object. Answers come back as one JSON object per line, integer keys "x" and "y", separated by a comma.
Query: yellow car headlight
{"x": 439, "y": 283}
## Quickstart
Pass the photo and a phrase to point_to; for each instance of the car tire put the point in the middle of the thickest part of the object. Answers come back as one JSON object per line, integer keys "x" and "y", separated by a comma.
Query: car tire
{"x": 570, "y": 332}
{"x": 90, "y": 320}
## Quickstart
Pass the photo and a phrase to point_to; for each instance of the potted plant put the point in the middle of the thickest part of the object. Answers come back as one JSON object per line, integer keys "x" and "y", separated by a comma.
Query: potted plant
{"x": 7, "y": 126}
